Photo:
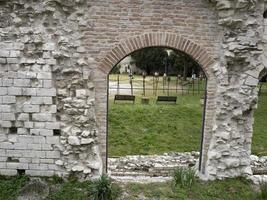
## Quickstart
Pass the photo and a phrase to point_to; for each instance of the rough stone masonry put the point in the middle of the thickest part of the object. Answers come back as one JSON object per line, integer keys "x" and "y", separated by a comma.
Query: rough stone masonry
{"x": 55, "y": 56}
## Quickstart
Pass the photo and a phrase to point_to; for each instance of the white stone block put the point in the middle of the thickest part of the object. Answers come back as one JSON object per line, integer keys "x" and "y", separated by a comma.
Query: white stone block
{"x": 52, "y": 154}
{"x": 59, "y": 162}
{"x": 87, "y": 140}
{"x": 20, "y": 146}
{"x": 39, "y": 140}
{"x": 49, "y": 109}
{"x": 34, "y": 131}
{"x": 23, "y": 117}
{"x": 2, "y": 60}
{"x": 38, "y": 166}
{"x": 3, "y": 137}
{"x": 29, "y": 108}
{"x": 25, "y": 139}
{"x": 22, "y": 82}
{"x": 13, "y": 165}
{"x": 35, "y": 146}
{"x": 39, "y": 125}
{"x": 48, "y": 161}
{"x": 49, "y": 46}
{"x": 81, "y": 93}
{"x": 14, "y": 153}
{"x": 4, "y": 53}
{"x": 52, "y": 125}
{"x": 2, "y": 165}
{"x": 52, "y": 140}
{"x": 14, "y": 54}
{"x": 46, "y": 132}
{"x": 74, "y": 140}
{"x": 22, "y": 131}
{"x": 6, "y": 145}
{"x": 42, "y": 117}
{"x": 13, "y": 60}
{"x": 25, "y": 160}
{"x": 14, "y": 91}
{"x": 5, "y": 124}
{"x": 29, "y": 91}
{"x": 28, "y": 124}
{"x": 39, "y": 173}
{"x": 41, "y": 100}
{"x": 3, "y": 90}
{"x": 47, "y": 84}
{"x": 47, "y": 147}
{"x": 23, "y": 74}
{"x": 7, "y": 82}
{"x": 41, "y": 61}
{"x": 8, "y": 172}
{"x": 44, "y": 75}
{"x": 5, "y": 108}
{"x": 46, "y": 92}
{"x": 251, "y": 81}
{"x": 28, "y": 154}
{"x": 51, "y": 61}
{"x": 9, "y": 99}
{"x": 12, "y": 138}
{"x": 40, "y": 154}
{"x": 35, "y": 160}
{"x": 3, "y": 158}
{"x": 8, "y": 116}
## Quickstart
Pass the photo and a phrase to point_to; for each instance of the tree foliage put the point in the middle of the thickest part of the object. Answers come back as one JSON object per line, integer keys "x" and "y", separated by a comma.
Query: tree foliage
{"x": 150, "y": 59}
{"x": 156, "y": 59}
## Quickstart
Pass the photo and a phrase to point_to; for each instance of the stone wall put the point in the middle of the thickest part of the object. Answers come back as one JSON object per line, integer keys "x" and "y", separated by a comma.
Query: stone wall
{"x": 55, "y": 56}
{"x": 242, "y": 50}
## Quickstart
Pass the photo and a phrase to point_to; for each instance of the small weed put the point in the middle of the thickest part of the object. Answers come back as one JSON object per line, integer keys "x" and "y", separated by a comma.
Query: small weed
{"x": 184, "y": 178}
{"x": 263, "y": 188}
{"x": 103, "y": 189}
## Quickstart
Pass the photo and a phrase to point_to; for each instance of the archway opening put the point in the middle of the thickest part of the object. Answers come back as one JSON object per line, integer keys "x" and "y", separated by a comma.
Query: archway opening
{"x": 156, "y": 103}
{"x": 265, "y": 14}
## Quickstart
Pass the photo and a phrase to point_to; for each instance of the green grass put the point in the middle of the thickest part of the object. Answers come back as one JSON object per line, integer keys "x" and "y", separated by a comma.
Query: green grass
{"x": 9, "y": 186}
{"x": 230, "y": 189}
{"x": 154, "y": 129}
{"x": 70, "y": 190}
{"x": 259, "y": 140}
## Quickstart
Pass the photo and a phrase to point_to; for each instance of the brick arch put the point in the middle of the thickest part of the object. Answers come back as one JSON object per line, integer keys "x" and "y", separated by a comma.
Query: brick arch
{"x": 170, "y": 40}
{"x": 128, "y": 46}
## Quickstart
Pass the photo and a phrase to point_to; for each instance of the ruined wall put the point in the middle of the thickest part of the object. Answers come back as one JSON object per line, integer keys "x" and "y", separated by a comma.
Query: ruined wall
{"x": 53, "y": 88}
{"x": 52, "y": 122}
{"x": 47, "y": 115}
{"x": 241, "y": 56}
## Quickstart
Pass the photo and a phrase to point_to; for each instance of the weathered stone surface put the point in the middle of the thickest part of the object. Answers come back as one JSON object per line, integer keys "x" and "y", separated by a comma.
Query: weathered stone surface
{"x": 54, "y": 66}
{"x": 73, "y": 140}
{"x": 133, "y": 168}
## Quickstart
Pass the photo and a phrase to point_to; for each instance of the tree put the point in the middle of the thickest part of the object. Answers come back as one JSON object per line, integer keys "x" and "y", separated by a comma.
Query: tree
{"x": 150, "y": 59}
{"x": 155, "y": 59}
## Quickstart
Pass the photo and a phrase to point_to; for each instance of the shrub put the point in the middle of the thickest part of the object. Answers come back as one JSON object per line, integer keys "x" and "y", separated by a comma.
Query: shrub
{"x": 103, "y": 189}
{"x": 263, "y": 188}
{"x": 184, "y": 178}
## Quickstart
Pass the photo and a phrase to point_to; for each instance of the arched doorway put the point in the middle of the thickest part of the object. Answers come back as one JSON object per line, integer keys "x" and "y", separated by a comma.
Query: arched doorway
{"x": 126, "y": 47}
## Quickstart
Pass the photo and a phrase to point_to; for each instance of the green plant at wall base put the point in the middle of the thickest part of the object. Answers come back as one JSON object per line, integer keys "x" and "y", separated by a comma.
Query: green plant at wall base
{"x": 263, "y": 189}
{"x": 103, "y": 189}
{"x": 184, "y": 177}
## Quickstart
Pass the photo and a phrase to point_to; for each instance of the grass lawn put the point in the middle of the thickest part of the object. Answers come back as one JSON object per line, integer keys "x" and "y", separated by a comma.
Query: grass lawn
{"x": 231, "y": 189}
{"x": 259, "y": 140}
{"x": 155, "y": 129}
